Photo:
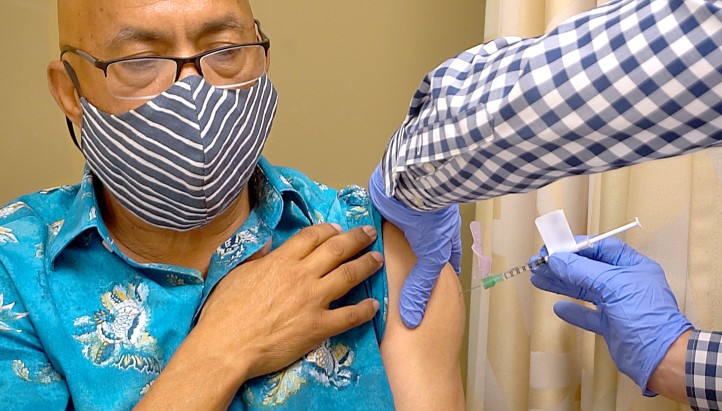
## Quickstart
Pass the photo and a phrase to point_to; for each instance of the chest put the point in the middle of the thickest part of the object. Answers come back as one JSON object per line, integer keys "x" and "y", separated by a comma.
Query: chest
{"x": 109, "y": 327}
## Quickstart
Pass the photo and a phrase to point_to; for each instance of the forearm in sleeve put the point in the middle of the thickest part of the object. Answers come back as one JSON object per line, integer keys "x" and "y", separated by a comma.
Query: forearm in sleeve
{"x": 624, "y": 83}
{"x": 703, "y": 370}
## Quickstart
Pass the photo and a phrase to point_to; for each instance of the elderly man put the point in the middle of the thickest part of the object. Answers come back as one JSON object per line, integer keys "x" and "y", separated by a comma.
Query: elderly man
{"x": 185, "y": 271}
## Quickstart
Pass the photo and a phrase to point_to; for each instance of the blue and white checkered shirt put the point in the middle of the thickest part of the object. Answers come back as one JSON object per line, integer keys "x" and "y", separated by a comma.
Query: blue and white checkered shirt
{"x": 621, "y": 84}
{"x": 704, "y": 370}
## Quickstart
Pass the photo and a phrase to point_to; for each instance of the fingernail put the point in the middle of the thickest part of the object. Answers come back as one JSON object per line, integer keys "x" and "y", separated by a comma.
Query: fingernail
{"x": 370, "y": 230}
{"x": 376, "y": 305}
{"x": 377, "y": 256}
{"x": 337, "y": 227}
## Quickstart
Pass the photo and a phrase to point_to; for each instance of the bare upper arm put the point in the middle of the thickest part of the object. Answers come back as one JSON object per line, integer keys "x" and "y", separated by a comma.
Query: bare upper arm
{"x": 423, "y": 364}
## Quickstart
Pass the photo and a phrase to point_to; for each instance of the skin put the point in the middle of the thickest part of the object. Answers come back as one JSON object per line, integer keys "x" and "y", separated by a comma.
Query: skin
{"x": 423, "y": 364}
{"x": 668, "y": 379}
{"x": 128, "y": 29}
{"x": 290, "y": 289}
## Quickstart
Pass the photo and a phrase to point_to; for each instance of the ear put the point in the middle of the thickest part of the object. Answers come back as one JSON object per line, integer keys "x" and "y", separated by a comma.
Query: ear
{"x": 64, "y": 93}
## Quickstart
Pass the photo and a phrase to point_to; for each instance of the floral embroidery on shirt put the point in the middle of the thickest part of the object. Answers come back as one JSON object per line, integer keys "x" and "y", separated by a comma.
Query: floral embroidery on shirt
{"x": 331, "y": 364}
{"x": 358, "y": 200}
{"x": 56, "y": 226}
{"x": 145, "y": 388}
{"x": 232, "y": 250}
{"x": 92, "y": 214}
{"x": 39, "y": 250}
{"x": 286, "y": 181}
{"x": 175, "y": 280}
{"x": 7, "y": 236}
{"x": 10, "y": 209}
{"x": 322, "y": 186}
{"x": 45, "y": 373}
{"x": 66, "y": 188}
{"x": 7, "y": 316}
{"x": 281, "y": 386}
{"x": 357, "y": 212}
{"x": 356, "y": 194}
{"x": 328, "y": 364}
{"x": 318, "y": 217}
{"x": 117, "y": 334}
{"x": 178, "y": 280}
{"x": 270, "y": 197}
{"x": 386, "y": 308}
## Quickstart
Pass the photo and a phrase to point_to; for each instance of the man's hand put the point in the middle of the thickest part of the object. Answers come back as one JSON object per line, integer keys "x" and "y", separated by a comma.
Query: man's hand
{"x": 266, "y": 314}
{"x": 636, "y": 311}
{"x": 435, "y": 238}
{"x": 274, "y": 309}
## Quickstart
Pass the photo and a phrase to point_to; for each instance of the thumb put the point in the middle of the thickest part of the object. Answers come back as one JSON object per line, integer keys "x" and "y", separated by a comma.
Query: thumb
{"x": 579, "y": 315}
{"x": 577, "y": 270}
{"x": 455, "y": 258}
{"x": 416, "y": 291}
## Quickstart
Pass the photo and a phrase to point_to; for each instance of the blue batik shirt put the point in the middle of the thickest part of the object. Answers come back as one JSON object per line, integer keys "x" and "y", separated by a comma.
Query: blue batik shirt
{"x": 82, "y": 326}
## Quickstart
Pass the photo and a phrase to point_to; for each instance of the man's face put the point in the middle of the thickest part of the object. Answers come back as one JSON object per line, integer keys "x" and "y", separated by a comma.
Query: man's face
{"x": 128, "y": 28}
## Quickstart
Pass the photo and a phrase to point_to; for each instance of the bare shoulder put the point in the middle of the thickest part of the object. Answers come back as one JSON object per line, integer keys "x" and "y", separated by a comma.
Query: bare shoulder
{"x": 422, "y": 364}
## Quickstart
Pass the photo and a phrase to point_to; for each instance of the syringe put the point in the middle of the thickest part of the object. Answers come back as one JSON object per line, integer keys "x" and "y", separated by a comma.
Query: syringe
{"x": 493, "y": 279}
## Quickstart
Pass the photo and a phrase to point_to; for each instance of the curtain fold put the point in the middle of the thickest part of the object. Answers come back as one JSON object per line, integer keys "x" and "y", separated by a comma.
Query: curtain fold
{"x": 521, "y": 356}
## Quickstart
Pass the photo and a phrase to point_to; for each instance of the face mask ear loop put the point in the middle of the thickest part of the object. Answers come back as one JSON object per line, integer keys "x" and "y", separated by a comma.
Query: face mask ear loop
{"x": 72, "y": 133}
{"x": 76, "y": 84}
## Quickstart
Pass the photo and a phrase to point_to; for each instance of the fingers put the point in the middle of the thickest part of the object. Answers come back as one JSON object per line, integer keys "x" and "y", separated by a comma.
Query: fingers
{"x": 571, "y": 275}
{"x": 341, "y": 319}
{"x": 455, "y": 259}
{"x": 580, "y": 316}
{"x": 545, "y": 280}
{"x": 615, "y": 252}
{"x": 305, "y": 241}
{"x": 335, "y": 250}
{"x": 416, "y": 292}
{"x": 543, "y": 252}
{"x": 339, "y": 281}
{"x": 575, "y": 269}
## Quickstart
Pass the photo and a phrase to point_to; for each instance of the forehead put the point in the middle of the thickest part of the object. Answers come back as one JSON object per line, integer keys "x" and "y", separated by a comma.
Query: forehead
{"x": 96, "y": 23}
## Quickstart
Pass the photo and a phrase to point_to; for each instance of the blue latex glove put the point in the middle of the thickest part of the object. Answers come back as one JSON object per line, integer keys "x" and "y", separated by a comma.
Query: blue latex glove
{"x": 435, "y": 238}
{"x": 636, "y": 311}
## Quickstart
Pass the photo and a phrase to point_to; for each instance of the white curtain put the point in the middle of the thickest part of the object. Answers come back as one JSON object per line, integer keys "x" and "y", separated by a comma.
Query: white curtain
{"x": 521, "y": 356}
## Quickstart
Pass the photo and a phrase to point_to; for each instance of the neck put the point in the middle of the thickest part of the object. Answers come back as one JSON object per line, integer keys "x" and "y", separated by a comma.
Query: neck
{"x": 145, "y": 243}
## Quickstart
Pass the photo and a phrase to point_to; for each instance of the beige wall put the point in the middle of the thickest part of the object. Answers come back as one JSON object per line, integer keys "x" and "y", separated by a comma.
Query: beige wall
{"x": 36, "y": 149}
{"x": 345, "y": 72}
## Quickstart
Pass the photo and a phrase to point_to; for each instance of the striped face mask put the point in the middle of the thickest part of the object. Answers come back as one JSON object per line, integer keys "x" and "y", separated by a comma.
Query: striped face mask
{"x": 181, "y": 159}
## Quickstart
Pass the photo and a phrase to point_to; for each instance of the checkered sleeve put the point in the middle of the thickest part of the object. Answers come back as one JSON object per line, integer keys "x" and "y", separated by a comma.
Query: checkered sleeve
{"x": 704, "y": 370}
{"x": 630, "y": 81}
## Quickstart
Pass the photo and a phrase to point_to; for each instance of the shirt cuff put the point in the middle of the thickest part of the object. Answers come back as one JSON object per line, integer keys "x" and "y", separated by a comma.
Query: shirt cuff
{"x": 703, "y": 370}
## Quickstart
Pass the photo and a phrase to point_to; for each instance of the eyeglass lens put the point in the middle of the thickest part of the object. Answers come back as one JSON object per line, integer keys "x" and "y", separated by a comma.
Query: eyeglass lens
{"x": 145, "y": 78}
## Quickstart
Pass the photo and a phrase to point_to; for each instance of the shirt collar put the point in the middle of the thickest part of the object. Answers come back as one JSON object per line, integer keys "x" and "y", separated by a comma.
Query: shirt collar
{"x": 82, "y": 216}
{"x": 272, "y": 186}
{"x": 84, "y": 212}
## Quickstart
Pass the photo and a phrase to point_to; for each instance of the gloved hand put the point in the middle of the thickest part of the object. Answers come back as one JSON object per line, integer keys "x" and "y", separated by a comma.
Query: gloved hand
{"x": 636, "y": 311}
{"x": 435, "y": 238}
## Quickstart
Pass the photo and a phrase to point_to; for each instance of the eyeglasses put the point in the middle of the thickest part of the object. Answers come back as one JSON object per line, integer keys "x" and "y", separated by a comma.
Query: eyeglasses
{"x": 138, "y": 78}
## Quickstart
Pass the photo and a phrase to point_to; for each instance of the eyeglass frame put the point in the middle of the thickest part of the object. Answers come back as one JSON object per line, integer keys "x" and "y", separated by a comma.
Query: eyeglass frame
{"x": 180, "y": 61}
